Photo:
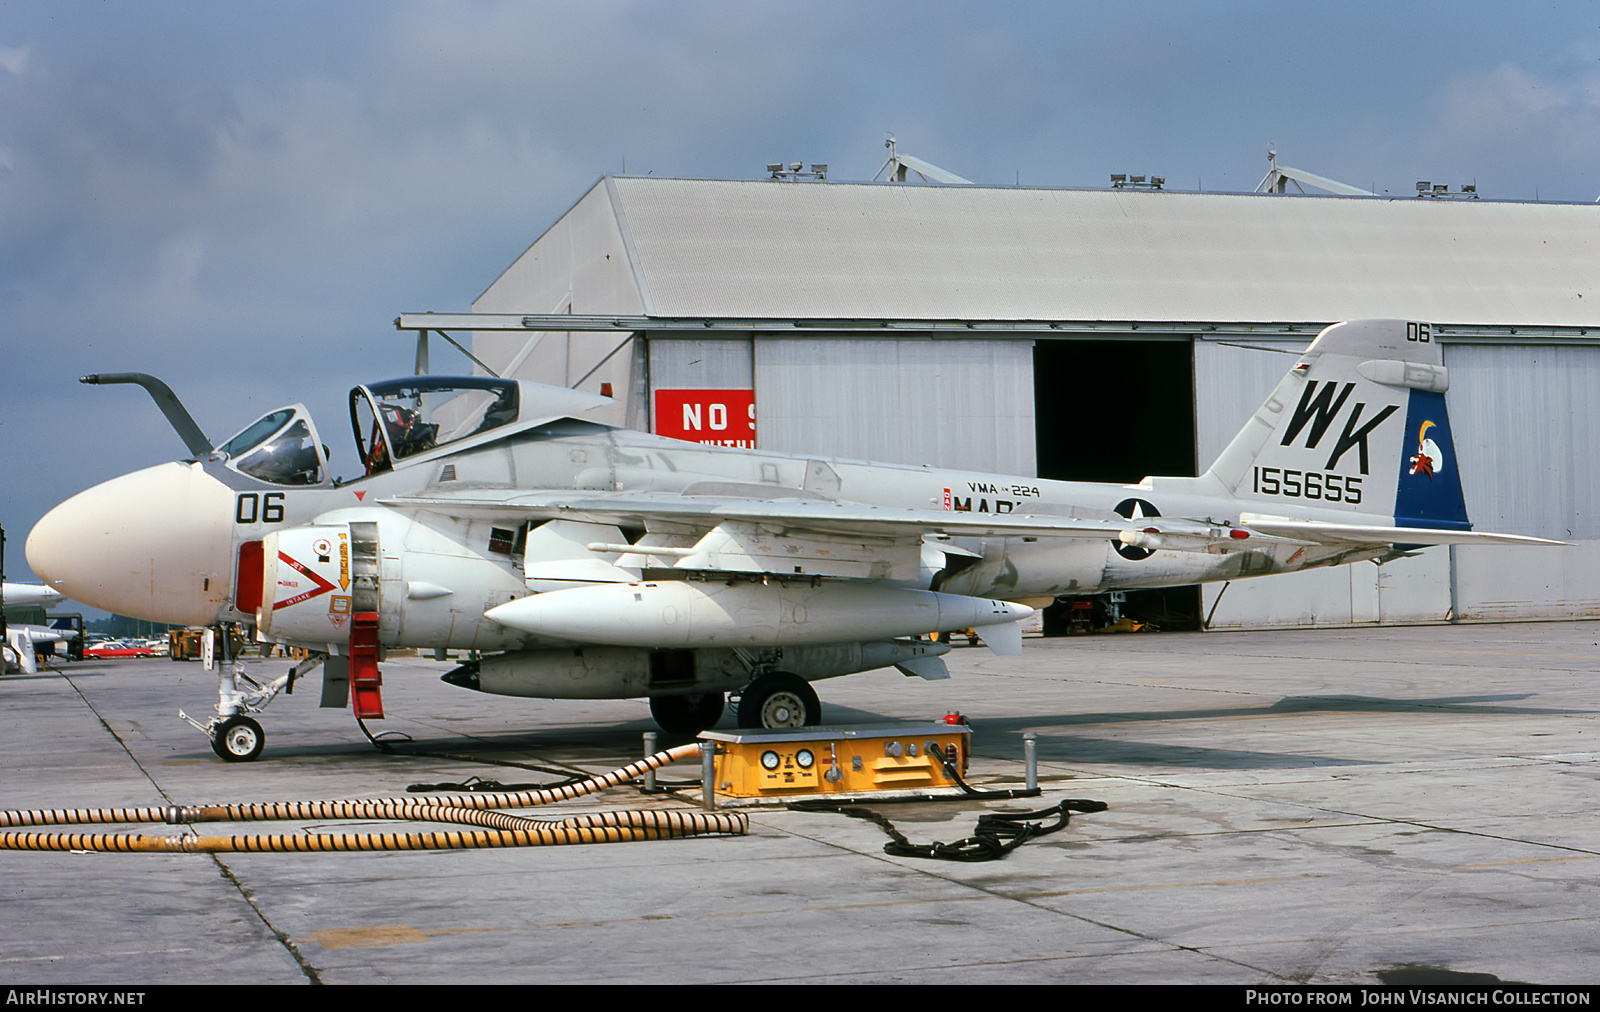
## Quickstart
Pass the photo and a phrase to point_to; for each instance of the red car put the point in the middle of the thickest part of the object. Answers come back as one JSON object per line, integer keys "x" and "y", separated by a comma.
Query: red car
{"x": 121, "y": 648}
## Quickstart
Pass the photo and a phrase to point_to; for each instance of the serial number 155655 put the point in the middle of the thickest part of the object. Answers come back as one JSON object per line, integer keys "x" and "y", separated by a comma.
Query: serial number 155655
{"x": 1328, "y": 487}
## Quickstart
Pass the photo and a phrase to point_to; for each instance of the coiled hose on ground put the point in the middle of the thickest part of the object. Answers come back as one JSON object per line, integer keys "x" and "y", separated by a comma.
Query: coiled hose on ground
{"x": 498, "y": 829}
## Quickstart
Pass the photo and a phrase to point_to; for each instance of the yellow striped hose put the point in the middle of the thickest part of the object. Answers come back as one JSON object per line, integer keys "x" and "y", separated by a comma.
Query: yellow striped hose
{"x": 498, "y": 829}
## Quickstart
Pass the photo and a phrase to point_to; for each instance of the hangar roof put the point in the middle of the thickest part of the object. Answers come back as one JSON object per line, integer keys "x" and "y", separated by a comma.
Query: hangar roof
{"x": 722, "y": 248}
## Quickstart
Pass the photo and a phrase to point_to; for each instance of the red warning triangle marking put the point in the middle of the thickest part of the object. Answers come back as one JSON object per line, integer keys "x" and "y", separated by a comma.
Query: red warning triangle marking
{"x": 322, "y": 586}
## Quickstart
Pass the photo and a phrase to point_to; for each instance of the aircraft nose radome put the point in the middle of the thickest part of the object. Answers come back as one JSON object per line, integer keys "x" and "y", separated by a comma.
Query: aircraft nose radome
{"x": 155, "y": 544}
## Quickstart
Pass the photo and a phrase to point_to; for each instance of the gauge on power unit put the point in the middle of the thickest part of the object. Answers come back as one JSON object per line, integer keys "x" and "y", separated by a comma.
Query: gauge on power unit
{"x": 769, "y": 760}
{"x": 804, "y": 758}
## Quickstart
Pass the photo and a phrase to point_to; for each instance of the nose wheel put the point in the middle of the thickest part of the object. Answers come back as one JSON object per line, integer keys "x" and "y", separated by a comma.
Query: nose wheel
{"x": 238, "y": 739}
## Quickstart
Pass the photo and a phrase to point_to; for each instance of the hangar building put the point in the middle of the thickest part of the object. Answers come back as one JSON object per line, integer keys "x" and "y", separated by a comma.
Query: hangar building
{"x": 1089, "y": 334}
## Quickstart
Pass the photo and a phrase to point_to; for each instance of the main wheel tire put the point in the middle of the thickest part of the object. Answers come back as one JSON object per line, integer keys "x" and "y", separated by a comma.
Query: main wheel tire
{"x": 238, "y": 740}
{"x": 687, "y": 714}
{"x": 779, "y": 700}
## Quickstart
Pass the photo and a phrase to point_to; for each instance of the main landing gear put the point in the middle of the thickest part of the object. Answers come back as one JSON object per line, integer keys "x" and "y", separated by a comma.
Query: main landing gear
{"x": 687, "y": 714}
{"x": 779, "y": 699}
{"x": 775, "y": 699}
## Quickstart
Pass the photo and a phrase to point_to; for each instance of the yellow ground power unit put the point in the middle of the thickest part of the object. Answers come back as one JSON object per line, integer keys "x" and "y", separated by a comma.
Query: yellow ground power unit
{"x": 838, "y": 761}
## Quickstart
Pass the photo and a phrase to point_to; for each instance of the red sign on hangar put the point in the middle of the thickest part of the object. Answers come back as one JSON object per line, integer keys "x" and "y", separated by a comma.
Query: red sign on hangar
{"x": 718, "y": 417}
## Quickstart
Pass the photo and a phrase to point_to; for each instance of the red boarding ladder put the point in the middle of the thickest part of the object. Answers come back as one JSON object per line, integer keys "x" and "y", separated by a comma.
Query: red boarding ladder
{"x": 366, "y": 682}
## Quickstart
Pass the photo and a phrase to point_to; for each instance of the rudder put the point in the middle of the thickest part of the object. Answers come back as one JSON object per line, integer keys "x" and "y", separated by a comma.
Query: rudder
{"x": 1428, "y": 492}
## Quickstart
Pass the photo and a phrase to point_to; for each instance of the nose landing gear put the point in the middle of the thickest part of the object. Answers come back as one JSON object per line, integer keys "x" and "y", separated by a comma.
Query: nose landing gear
{"x": 235, "y": 736}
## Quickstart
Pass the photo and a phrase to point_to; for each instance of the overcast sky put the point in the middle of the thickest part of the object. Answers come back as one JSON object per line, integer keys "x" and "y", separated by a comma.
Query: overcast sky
{"x": 239, "y": 198}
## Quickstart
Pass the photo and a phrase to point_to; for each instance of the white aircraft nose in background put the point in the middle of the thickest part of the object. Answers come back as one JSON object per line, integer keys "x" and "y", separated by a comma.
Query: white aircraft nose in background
{"x": 154, "y": 543}
{"x": 30, "y": 595}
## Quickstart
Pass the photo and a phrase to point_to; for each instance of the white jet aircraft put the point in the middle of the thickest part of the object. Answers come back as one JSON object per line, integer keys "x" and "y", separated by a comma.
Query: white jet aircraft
{"x": 21, "y": 640}
{"x": 584, "y": 561}
{"x": 29, "y": 595}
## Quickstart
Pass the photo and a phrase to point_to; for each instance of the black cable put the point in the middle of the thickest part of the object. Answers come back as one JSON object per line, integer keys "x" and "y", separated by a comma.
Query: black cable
{"x": 997, "y": 834}
{"x": 474, "y": 783}
{"x": 972, "y": 792}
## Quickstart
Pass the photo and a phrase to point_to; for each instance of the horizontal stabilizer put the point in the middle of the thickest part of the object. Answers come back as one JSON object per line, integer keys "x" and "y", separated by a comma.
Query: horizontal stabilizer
{"x": 1362, "y": 534}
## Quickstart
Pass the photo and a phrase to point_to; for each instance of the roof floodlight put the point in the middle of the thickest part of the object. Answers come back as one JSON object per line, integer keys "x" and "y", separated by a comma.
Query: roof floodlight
{"x": 774, "y": 166}
{"x": 794, "y": 166}
{"x": 1120, "y": 180}
{"x": 1469, "y": 188}
{"x": 1423, "y": 186}
{"x": 1441, "y": 187}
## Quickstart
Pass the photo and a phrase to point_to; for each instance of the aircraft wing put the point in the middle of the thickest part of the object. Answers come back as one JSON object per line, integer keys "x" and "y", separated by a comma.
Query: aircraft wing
{"x": 1361, "y": 534}
{"x": 688, "y": 514}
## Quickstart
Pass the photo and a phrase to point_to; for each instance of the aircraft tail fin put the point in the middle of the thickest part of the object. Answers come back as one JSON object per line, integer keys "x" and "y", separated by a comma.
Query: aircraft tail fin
{"x": 1358, "y": 425}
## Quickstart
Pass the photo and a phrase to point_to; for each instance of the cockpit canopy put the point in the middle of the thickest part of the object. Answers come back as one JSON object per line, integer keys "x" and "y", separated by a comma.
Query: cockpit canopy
{"x": 279, "y": 447}
{"x": 402, "y": 418}
{"x": 395, "y": 420}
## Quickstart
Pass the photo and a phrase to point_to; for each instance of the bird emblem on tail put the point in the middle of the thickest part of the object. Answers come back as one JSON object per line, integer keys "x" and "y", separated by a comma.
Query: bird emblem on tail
{"x": 1427, "y": 459}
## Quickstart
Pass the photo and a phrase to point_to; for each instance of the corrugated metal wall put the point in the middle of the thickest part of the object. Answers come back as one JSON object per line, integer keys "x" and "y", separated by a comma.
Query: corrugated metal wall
{"x": 700, "y": 363}
{"x": 945, "y": 403}
{"x": 1527, "y": 425}
{"x": 1527, "y": 418}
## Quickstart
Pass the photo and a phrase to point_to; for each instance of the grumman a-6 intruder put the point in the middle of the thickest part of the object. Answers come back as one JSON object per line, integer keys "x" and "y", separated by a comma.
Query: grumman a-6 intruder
{"x": 584, "y": 561}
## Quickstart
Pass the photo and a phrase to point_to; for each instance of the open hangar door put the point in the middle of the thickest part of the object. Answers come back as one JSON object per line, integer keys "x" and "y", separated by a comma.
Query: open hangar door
{"x": 1118, "y": 409}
